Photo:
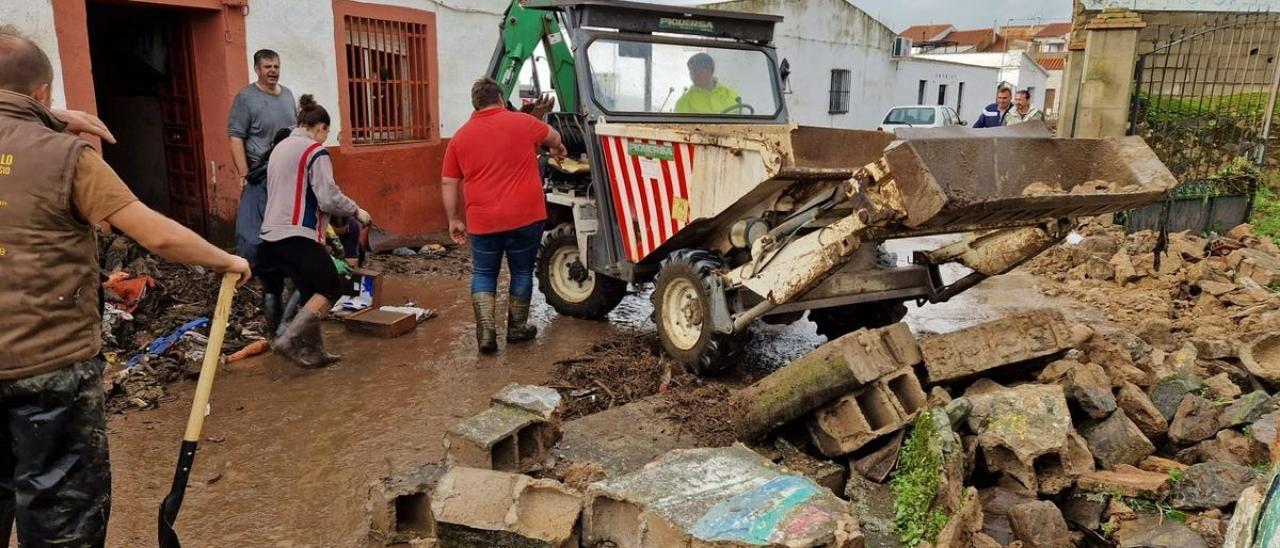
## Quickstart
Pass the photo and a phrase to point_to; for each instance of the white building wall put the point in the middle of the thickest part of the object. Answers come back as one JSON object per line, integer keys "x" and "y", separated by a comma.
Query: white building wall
{"x": 1054, "y": 81}
{"x": 302, "y": 32}
{"x": 35, "y": 20}
{"x": 1016, "y": 68}
{"x": 466, "y": 35}
{"x": 818, "y": 36}
{"x": 979, "y": 85}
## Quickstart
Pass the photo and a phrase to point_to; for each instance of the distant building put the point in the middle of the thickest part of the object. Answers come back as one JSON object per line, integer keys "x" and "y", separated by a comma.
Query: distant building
{"x": 1046, "y": 46}
{"x": 835, "y": 43}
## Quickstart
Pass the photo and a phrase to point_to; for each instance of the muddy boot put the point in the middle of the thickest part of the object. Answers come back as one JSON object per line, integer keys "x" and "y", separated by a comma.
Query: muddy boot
{"x": 273, "y": 310}
{"x": 290, "y": 311}
{"x": 485, "y": 305}
{"x": 518, "y": 327}
{"x": 302, "y": 342}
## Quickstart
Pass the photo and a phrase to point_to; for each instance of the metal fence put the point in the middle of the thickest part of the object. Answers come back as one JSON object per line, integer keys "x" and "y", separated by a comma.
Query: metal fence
{"x": 1204, "y": 99}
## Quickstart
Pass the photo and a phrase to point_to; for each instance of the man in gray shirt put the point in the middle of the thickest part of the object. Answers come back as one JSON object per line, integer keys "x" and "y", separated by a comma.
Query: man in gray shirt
{"x": 258, "y": 111}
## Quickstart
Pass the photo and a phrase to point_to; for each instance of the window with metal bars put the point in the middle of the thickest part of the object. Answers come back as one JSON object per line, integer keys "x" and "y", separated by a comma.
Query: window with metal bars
{"x": 388, "y": 81}
{"x": 839, "y": 103}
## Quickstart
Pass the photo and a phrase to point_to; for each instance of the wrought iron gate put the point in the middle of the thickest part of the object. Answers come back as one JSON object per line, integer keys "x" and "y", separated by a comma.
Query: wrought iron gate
{"x": 1204, "y": 98}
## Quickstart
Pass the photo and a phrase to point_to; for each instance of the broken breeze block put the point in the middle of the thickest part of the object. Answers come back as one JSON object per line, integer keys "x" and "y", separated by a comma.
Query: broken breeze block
{"x": 1026, "y": 432}
{"x": 399, "y": 506}
{"x": 513, "y": 435}
{"x": 971, "y": 351}
{"x": 537, "y": 399}
{"x": 727, "y": 496}
{"x": 880, "y": 408}
{"x": 476, "y": 508}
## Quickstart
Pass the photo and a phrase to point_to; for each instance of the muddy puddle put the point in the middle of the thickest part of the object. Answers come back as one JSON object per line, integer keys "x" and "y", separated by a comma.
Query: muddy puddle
{"x": 288, "y": 453}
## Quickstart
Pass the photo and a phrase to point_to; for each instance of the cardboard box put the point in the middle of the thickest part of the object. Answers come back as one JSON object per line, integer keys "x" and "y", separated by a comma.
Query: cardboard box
{"x": 369, "y": 283}
{"x": 380, "y": 323}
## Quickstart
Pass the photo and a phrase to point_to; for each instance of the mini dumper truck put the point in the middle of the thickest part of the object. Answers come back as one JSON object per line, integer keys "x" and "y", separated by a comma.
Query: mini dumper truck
{"x": 684, "y": 170}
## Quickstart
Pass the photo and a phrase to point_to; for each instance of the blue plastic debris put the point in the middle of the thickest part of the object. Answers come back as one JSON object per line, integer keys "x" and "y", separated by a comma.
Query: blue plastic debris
{"x": 162, "y": 344}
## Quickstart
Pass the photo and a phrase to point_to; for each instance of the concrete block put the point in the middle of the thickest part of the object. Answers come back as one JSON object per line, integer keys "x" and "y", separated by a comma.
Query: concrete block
{"x": 821, "y": 376}
{"x": 1028, "y": 420}
{"x": 871, "y": 354}
{"x": 715, "y": 497}
{"x": 987, "y": 346}
{"x": 476, "y": 508}
{"x": 907, "y": 393}
{"x": 502, "y": 438}
{"x": 870, "y": 412}
{"x": 536, "y": 399}
{"x": 399, "y": 506}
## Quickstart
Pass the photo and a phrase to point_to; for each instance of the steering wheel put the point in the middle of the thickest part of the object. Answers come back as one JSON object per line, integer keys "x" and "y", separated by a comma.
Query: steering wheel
{"x": 740, "y": 107}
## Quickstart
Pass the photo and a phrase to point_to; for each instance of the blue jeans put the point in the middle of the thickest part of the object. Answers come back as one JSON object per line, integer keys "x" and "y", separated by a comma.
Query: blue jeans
{"x": 520, "y": 246}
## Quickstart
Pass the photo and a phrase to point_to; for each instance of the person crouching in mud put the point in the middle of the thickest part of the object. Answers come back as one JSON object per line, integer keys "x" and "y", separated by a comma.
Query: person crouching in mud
{"x": 301, "y": 194}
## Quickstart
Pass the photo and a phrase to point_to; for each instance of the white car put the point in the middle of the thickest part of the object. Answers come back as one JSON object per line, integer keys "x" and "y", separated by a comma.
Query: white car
{"x": 920, "y": 116}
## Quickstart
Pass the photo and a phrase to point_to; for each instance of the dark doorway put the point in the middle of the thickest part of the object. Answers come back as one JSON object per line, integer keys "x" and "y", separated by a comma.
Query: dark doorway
{"x": 145, "y": 91}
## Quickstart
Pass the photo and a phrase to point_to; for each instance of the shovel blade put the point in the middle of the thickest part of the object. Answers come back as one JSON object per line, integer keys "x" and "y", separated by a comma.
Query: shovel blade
{"x": 167, "y": 537}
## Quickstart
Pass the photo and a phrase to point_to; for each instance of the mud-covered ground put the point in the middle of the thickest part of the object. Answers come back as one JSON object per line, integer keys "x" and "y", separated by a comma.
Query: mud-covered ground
{"x": 279, "y": 440}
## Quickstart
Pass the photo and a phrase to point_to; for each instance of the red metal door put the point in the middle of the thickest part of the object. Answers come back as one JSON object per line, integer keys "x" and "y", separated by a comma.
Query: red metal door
{"x": 183, "y": 150}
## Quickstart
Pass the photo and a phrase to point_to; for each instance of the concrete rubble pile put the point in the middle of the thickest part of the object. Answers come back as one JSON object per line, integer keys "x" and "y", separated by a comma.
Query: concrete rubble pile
{"x": 1216, "y": 293}
{"x": 1029, "y": 430}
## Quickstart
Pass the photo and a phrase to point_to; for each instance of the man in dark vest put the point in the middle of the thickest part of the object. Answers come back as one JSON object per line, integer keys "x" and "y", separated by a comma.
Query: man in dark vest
{"x": 55, "y": 476}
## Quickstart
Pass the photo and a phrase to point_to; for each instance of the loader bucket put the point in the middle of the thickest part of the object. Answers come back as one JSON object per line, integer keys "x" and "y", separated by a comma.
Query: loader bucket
{"x": 963, "y": 180}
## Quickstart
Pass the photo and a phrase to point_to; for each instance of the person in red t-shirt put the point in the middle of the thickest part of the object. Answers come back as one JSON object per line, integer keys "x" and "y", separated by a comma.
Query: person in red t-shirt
{"x": 495, "y": 156}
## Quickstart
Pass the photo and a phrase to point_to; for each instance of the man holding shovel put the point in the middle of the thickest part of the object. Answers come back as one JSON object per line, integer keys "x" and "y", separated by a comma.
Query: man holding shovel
{"x": 55, "y": 475}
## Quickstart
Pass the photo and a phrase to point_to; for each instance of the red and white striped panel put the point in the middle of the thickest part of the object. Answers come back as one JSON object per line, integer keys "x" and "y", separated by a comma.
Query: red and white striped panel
{"x": 650, "y": 180}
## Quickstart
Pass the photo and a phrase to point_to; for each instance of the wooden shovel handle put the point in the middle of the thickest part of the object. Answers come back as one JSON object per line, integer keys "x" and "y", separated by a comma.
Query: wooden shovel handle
{"x": 217, "y": 331}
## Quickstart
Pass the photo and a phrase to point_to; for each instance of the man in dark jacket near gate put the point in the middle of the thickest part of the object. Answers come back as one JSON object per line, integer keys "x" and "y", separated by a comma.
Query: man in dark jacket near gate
{"x": 994, "y": 114}
{"x": 55, "y": 475}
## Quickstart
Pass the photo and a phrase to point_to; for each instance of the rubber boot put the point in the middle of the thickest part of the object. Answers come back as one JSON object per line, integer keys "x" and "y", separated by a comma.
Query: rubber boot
{"x": 290, "y": 311}
{"x": 485, "y": 305}
{"x": 518, "y": 327}
{"x": 273, "y": 310}
{"x": 303, "y": 342}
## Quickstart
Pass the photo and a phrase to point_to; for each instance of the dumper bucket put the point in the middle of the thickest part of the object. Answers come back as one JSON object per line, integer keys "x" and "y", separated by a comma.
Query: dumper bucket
{"x": 966, "y": 180}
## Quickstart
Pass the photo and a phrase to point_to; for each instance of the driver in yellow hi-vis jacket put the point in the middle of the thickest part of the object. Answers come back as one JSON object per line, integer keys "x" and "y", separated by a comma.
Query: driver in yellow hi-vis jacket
{"x": 708, "y": 95}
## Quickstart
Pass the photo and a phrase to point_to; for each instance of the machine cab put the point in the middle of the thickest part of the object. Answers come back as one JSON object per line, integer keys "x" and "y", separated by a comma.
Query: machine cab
{"x": 655, "y": 63}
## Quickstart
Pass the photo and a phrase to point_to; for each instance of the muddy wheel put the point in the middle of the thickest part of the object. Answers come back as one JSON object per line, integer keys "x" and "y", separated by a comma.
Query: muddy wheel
{"x": 682, "y": 310}
{"x": 837, "y": 321}
{"x": 570, "y": 287}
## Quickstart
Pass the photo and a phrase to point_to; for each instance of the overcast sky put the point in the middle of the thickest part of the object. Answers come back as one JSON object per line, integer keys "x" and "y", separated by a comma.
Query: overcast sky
{"x": 900, "y": 14}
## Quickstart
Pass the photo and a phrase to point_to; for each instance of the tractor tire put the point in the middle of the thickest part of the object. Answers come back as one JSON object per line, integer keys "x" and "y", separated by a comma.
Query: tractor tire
{"x": 569, "y": 286}
{"x": 838, "y": 321}
{"x": 682, "y": 309}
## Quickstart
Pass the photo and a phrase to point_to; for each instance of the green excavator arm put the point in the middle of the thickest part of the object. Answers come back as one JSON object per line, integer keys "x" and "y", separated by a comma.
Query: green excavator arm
{"x": 522, "y": 30}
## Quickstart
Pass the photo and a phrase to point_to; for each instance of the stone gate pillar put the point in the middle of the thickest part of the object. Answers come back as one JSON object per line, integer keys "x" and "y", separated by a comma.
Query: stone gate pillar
{"x": 1106, "y": 75}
